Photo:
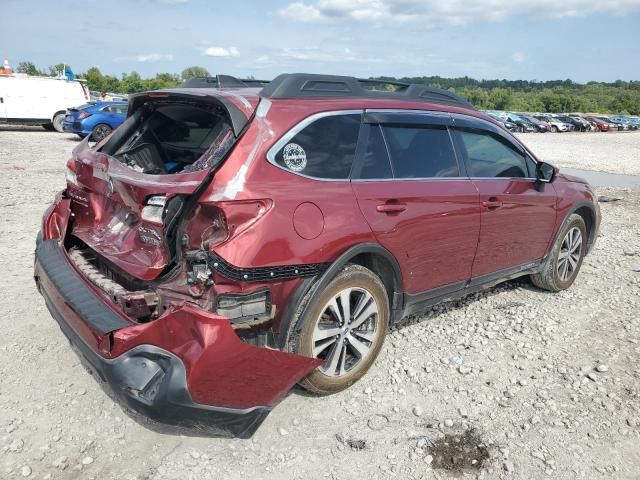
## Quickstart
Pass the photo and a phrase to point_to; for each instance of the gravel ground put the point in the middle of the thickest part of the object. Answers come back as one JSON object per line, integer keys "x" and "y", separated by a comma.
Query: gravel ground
{"x": 511, "y": 383}
{"x": 613, "y": 152}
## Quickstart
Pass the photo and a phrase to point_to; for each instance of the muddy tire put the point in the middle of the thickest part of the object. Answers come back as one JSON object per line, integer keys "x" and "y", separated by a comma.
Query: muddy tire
{"x": 345, "y": 326}
{"x": 564, "y": 262}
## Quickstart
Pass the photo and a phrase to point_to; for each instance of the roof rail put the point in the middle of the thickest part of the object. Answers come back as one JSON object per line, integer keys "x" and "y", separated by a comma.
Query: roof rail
{"x": 222, "y": 81}
{"x": 308, "y": 85}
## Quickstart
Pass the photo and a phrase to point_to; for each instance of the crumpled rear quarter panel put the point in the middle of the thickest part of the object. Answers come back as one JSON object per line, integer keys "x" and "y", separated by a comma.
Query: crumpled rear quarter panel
{"x": 222, "y": 370}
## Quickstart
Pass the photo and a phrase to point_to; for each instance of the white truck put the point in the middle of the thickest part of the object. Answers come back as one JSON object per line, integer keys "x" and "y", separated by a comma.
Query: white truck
{"x": 39, "y": 100}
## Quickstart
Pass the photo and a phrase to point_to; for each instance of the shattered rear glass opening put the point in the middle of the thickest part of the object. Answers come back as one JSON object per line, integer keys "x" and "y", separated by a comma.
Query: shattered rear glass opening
{"x": 175, "y": 137}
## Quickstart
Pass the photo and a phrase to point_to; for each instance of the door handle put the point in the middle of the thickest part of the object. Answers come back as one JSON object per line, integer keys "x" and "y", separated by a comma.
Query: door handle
{"x": 492, "y": 203}
{"x": 391, "y": 207}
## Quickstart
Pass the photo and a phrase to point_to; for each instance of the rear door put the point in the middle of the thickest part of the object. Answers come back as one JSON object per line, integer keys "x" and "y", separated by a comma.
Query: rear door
{"x": 517, "y": 220}
{"x": 409, "y": 187}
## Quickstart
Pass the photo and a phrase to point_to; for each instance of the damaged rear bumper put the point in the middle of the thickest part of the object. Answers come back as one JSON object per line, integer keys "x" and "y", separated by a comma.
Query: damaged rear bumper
{"x": 187, "y": 368}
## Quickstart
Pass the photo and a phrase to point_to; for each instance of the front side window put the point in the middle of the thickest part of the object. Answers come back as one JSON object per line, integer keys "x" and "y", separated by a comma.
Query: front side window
{"x": 323, "y": 149}
{"x": 421, "y": 152}
{"x": 490, "y": 156}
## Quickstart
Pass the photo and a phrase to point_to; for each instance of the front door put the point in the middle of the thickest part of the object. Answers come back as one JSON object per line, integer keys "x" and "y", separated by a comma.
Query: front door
{"x": 408, "y": 185}
{"x": 517, "y": 220}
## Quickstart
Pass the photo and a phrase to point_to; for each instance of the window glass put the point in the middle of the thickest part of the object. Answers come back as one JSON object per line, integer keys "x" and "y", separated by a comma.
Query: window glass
{"x": 491, "y": 156}
{"x": 424, "y": 152}
{"x": 375, "y": 164}
{"x": 323, "y": 149}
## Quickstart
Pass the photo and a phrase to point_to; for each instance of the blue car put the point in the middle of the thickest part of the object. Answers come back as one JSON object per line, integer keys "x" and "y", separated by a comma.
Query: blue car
{"x": 97, "y": 119}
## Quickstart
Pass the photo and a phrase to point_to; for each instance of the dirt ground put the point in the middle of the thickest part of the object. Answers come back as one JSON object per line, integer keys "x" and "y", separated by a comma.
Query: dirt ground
{"x": 511, "y": 383}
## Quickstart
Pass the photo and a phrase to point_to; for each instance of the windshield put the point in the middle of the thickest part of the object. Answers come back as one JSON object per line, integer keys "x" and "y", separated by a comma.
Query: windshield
{"x": 86, "y": 105}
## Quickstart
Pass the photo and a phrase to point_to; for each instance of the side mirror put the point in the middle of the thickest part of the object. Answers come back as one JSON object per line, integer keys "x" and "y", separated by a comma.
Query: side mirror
{"x": 545, "y": 173}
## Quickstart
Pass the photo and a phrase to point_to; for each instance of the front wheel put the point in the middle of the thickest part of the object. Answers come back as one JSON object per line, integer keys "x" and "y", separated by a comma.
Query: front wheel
{"x": 554, "y": 129}
{"x": 564, "y": 262}
{"x": 345, "y": 327}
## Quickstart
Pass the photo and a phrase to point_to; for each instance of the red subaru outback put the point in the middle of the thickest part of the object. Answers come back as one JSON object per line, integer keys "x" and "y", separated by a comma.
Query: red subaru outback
{"x": 223, "y": 245}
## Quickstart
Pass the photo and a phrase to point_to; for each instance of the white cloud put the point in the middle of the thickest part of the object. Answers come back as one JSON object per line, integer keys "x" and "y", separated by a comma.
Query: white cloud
{"x": 452, "y": 12}
{"x": 519, "y": 57}
{"x": 221, "y": 52}
{"x": 323, "y": 55}
{"x": 301, "y": 12}
{"x": 146, "y": 58}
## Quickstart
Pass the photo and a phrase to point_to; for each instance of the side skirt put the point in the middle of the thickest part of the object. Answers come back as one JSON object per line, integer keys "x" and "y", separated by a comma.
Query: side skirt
{"x": 415, "y": 303}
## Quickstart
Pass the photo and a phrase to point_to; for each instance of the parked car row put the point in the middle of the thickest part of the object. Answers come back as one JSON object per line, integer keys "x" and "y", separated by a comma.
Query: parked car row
{"x": 569, "y": 122}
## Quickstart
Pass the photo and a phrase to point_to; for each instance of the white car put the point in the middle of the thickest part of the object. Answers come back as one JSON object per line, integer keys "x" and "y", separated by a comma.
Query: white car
{"x": 39, "y": 100}
{"x": 556, "y": 124}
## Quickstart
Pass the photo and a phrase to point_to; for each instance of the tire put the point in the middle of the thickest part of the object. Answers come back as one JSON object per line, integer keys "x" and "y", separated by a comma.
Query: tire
{"x": 553, "y": 276}
{"x": 57, "y": 122}
{"x": 100, "y": 131}
{"x": 349, "y": 350}
{"x": 554, "y": 129}
{"x": 48, "y": 126}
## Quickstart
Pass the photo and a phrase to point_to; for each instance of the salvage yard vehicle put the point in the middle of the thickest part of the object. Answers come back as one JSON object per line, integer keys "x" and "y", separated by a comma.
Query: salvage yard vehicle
{"x": 96, "y": 119}
{"x": 222, "y": 245}
{"x": 600, "y": 124}
{"x": 42, "y": 101}
{"x": 557, "y": 125}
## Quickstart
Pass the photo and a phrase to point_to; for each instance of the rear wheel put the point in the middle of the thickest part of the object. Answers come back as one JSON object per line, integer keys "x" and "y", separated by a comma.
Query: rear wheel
{"x": 345, "y": 328}
{"x": 565, "y": 260}
{"x": 58, "y": 120}
{"x": 100, "y": 132}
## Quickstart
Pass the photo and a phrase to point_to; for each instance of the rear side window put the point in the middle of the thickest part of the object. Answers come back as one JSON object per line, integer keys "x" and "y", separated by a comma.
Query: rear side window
{"x": 375, "y": 162}
{"x": 490, "y": 156}
{"x": 424, "y": 152}
{"x": 323, "y": 149}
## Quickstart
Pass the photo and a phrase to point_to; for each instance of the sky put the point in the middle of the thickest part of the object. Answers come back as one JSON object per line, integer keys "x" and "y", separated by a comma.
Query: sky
{"x": 514, "y": 39}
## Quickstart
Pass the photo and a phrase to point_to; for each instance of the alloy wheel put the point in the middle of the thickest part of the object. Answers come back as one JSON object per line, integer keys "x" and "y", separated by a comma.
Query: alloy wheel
{"x": 570, "y": 252}
{"x": 346, "y": 331}
{"x": 100, "y": 132}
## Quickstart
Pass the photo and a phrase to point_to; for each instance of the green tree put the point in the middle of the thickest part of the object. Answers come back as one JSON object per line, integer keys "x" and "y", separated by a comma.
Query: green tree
{"x": 131, "y": 83}
{"x": 194, "y": 71}
{"x": 54, "y": 70}
{"x": 29, "y": 68}
{"x": 500, "y": 98}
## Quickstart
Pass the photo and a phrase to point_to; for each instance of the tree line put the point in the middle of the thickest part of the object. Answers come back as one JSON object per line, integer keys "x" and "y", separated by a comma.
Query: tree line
{"x": 556, "y": 96}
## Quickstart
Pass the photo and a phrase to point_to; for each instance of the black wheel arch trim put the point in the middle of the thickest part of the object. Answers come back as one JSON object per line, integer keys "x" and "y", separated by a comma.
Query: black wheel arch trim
{"x": 318, "y": 284}
{"x": 593, "y": 232}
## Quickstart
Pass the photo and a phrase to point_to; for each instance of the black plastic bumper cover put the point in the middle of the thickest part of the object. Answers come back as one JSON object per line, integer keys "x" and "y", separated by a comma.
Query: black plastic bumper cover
{"x": 147, "y": 379}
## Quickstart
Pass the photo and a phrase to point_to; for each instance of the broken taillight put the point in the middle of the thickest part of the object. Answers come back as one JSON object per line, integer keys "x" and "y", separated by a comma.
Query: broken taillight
{"x": 154, "y": 208}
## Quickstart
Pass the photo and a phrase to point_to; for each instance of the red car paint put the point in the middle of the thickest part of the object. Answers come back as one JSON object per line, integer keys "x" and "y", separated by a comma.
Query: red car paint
{"x": 602, "y": 126}
{"x": 440, "y": 231}
{"x": 245, "y": 376}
